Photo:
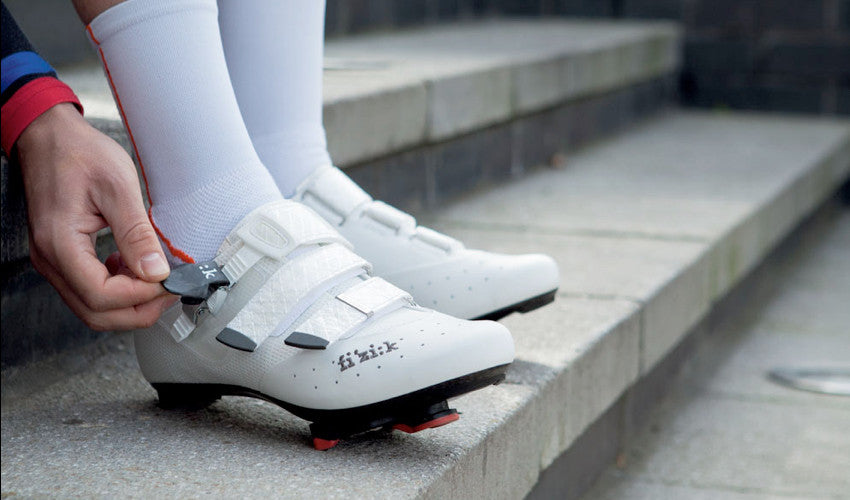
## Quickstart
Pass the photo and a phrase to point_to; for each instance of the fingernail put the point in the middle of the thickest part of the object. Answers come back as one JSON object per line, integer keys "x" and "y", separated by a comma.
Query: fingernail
{"x": 168, "y": 302}
{"x": 154, "y": 264}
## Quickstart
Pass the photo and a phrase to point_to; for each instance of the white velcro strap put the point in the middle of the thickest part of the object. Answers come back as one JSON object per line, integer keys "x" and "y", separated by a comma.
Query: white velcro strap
{"x": 336, "y": 191}
{"x": 182, "y": 327}
{"x": 282, "y": 228}
{"x": 374, "y": 296}
{"x": 390, "y": 216}
{"x": 331, "y": 320}
{"x": 276, "y": 233}
{"x": 293, "y": 287}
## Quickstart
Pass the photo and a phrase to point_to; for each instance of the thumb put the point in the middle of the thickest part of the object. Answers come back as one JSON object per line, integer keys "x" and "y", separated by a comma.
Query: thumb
{"x": 138, "y": 244}
{"x": 114, "y": 190}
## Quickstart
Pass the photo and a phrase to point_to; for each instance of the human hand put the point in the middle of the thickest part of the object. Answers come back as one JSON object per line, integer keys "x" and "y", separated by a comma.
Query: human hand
{"x": 78, "y": 181}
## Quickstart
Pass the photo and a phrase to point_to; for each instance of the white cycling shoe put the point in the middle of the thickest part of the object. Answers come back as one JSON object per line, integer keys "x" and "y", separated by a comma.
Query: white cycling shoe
{"x": 288, "y": 313}
{"x": 438, "y": 271}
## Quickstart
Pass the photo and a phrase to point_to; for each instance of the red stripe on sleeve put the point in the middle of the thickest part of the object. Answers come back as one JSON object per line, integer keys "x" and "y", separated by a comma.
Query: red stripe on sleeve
{"x": 28, "y": 103}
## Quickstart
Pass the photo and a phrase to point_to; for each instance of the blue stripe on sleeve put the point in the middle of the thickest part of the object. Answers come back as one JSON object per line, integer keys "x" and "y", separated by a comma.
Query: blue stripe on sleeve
{"x": 21, "y": 64}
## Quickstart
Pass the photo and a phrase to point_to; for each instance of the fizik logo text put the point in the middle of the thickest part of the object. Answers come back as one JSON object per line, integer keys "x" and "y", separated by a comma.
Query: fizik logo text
{"x": 349, "y": 360}
{"x": 208, "y": 271}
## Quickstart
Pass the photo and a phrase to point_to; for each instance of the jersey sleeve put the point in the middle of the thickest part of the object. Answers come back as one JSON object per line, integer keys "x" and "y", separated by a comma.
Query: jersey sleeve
{"x": 29, "y": 84}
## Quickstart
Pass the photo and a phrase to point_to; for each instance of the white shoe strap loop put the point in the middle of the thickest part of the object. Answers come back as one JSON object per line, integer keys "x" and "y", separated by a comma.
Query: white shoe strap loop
{"x": 336, "y": 191}
{"x": 374, "y": 296}
{"x": 276, "y": 234}
{"x": 331, "y": 320}
{"x": 391, "y": 217}
{"x": 243, "y": 260}
{"x": 282, "y": 229}
{"x": 183, "y": 326}
{"x": 436, "y": 239}
{"x": 216, "y": 300}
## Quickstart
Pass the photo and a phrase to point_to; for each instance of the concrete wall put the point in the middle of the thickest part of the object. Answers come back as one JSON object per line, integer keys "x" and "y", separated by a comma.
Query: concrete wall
{"x": 784, "y": 55}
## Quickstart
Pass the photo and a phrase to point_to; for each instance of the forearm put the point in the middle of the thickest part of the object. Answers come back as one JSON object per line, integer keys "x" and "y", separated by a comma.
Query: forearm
{"x": 77, "y": 182}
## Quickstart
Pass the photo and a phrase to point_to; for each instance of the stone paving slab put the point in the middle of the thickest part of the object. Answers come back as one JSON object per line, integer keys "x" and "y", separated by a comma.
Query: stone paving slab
{"x": 628, "y": 296}
{"x": 780, "y": 449}
{"x": 729, "y": 432}
{"x": 687, "y": 175}
{"x": 732, "y": 183}
{"x": 387, "y": 92}
{"x": 658, "y": 491}
{"x": 743, "y": 374}
{"x": 804, "y": 326}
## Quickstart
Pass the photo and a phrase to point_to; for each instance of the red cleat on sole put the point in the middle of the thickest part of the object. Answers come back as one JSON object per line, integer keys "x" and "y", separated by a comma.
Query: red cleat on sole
{"x": 437, "y": 422}
{"x": 324, "y": 444}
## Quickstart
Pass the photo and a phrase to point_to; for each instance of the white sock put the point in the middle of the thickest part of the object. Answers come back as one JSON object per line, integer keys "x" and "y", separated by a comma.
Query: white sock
{"x": 165, "y": 63}
{"x": 274, "y": 51}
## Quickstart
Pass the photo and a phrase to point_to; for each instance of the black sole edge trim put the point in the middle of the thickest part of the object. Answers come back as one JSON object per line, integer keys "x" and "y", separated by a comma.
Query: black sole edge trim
{"x": 521, "y": 307}
{"x": 335, "y": 424}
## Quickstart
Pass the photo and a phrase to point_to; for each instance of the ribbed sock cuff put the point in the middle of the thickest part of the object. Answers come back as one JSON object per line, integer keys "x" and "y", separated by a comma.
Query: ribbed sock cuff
{"x": 133, "y": 12}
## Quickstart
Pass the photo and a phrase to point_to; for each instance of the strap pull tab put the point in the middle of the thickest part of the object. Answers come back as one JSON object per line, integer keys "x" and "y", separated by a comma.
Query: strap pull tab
{"x": 194, "y": 283}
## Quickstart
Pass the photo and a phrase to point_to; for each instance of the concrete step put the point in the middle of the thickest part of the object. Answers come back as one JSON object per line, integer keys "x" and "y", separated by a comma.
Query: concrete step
{"x": 730, "y": 432}
{"x": 392, "y": 92}
{"x": 417, "y": 118}
{"x": 651, "y": 230}
{"x": 55, "y": 30}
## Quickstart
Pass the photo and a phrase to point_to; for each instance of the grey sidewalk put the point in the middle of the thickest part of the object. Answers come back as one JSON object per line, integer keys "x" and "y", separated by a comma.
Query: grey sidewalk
{"x": 729, "y": 432}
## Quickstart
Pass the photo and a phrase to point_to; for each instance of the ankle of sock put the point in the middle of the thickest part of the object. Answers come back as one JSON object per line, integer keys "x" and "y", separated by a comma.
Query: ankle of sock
{"x": 193, "y": 225}
{"x": 292, "y": 155}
